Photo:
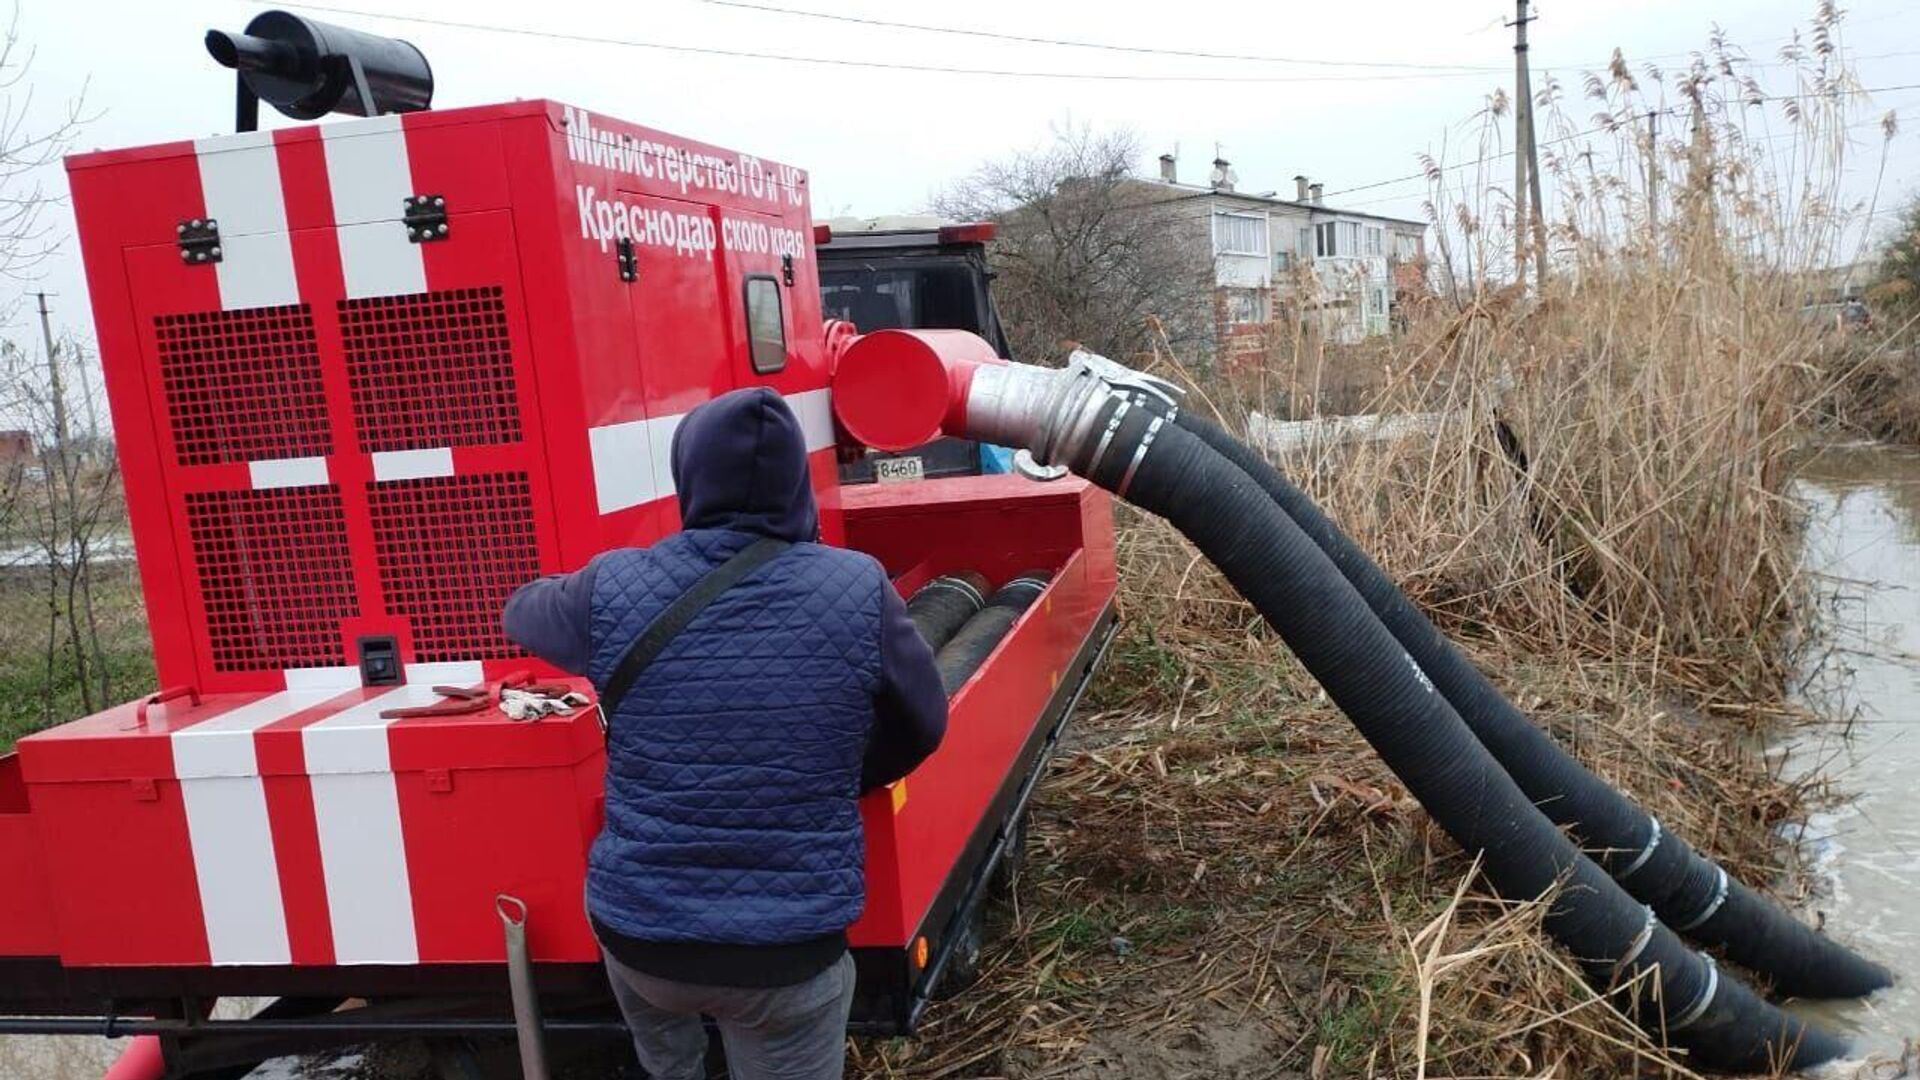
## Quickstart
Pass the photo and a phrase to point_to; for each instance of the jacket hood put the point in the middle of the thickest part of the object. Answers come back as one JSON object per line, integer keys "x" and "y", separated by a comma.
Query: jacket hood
{"x": 740, "y": 462}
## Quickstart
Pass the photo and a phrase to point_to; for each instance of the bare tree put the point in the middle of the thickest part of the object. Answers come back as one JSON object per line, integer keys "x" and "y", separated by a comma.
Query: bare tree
{"x": 1087, "y": 253}
{"x": 59, "y": 493}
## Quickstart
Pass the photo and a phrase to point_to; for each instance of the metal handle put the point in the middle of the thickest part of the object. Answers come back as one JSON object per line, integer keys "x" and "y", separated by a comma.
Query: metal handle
{"x": 164, "y": 695}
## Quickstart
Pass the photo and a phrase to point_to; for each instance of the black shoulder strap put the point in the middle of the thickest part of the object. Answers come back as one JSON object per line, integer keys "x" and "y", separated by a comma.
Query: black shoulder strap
{"x": 667, "y": 625}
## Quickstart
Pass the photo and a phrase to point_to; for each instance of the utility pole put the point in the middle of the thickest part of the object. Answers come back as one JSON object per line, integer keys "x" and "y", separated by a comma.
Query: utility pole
{"x": 1522, "y": 102}
{"x": 1529, "y": 207}
{"x": 1653, "y": 176}
{"x": 55, "y": 387}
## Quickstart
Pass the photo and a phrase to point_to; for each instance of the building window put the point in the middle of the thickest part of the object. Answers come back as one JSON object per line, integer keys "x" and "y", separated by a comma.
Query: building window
{"x": 1337, "y": 238}
{"x": 766, "y": 329}
{"x": 1240, "y": 234}
{"x": 1379, "y": 301}
{"x": 1282, "y": 262}
{"x": 1376, "y": 240}
{"x": 1406, "y": 247}
{"x": 1246, "y": 306}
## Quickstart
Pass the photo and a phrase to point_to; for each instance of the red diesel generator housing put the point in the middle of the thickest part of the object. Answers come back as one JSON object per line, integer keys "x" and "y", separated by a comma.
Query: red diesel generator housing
{"x": 367, "y": 377}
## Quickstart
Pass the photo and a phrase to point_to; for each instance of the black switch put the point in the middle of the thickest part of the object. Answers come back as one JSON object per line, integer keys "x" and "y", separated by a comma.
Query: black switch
{"x": 379, "y": 660}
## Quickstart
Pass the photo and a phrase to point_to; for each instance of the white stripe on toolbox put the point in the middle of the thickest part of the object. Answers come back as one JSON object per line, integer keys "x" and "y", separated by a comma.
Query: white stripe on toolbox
{"x": 633, "y": 460}
{"x": 412, "y": 464}
{"x": 363, "y": 860}
{"x": 370, "y": 177}
{"x": 356, "y": 808}
{"x": 240, "y": 185}
{"x": 288, "y": 472}
{"x": 235, "y": 867}
{"x": 231, "y": 836}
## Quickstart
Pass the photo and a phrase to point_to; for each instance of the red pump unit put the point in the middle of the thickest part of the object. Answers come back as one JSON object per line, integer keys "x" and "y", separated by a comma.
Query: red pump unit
{"x": 367, "y": 377}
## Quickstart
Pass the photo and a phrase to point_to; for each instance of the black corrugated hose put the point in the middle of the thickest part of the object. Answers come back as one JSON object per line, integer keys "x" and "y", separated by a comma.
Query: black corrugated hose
{"x": 942, "y": 606}
{"x": 1688, "y": 891}
{"x": 963, "y": 655}
{"x": 1678, "y": 993}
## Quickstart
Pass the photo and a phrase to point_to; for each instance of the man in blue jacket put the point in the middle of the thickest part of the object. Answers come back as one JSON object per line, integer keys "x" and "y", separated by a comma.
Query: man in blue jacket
{"x": 731, "y": 861}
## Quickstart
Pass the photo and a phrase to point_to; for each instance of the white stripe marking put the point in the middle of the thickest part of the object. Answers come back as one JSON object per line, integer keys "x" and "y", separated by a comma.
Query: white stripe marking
{"x": 356, "y": 809}
{"x": 660, "y": 443}
{"x": 633, "y": 460}
{"x": 814, "y": 410}
{"x": 235, "y": 866}
{"x": 451, "y": 673}
{"x": 363, "y": 860}
{"x": 234, "y": 863}
{"x": 355, "y": 738}
{"x": 412, "y": 464}
{"x": 288, "y": 472}
{"x": 370, "y": 178}
{"x": 622, "y": 473}
{"x": 334, "y": 679}
{"x": 223, "y": 746}
{"x": 240, "y": 185}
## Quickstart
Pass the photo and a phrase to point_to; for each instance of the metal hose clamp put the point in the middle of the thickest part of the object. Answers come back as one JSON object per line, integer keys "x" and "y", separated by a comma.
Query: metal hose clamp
{"x": 1646, "y": 852}
{"x": 1139, "y": 455}
{"x": 1106, "y": 437}
{"x": 1699, "y": 1008}
{"x": 1720, "y": 887}
{"x": 956, "y": 585}
{"x": 1639, "y": 943}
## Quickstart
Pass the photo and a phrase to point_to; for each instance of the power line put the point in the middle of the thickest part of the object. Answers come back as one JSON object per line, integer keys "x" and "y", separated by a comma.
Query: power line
{"x": 1105, "y": 46}
{"x": 1071, "y": 43}
{"x": 1670, "y": 111}
{"x": 880, "y": 65}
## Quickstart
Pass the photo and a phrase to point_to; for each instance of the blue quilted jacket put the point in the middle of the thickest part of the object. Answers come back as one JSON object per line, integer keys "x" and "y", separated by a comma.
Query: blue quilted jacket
{"x": 735, "y": 761}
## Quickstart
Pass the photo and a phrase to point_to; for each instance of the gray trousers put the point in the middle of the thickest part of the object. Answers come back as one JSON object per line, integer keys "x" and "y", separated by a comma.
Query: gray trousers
{"x": 794, "y": 1032}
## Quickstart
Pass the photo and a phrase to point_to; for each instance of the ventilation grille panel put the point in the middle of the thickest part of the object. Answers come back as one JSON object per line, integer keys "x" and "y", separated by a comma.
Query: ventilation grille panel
{"x": 430, "y": 369}
{"x": 275, "y": 576}
{"x": 451, "y": 549}
{"x": 243, "y": 385}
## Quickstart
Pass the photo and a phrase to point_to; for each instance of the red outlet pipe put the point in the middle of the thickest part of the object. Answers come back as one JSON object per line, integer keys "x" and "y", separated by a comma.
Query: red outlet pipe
{"x": 141, "y": 1060}
{"x": 898, "y": 388}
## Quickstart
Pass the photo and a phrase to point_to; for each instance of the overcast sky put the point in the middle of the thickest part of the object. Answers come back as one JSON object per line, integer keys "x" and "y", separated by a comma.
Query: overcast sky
{"x": 881, "y": 140}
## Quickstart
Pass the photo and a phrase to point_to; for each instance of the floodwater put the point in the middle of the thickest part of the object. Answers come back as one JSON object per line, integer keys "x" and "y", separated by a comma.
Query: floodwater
{"x": 1864, "y": 540}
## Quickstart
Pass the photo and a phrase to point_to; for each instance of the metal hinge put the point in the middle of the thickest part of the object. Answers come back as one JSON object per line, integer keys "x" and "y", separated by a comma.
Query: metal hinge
{"x": 199, "y": 240}
{"x": 628, "y": 262}
{"x": 426, "y": 218}
{"x": 786, "y": 270}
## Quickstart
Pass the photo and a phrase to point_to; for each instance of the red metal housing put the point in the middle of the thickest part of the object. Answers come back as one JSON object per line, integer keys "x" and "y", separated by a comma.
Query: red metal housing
{"x": 369, "y": 376}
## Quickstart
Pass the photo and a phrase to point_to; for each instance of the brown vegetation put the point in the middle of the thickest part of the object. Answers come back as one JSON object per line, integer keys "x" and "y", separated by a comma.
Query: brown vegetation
{"x": 1597, "y": 502}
